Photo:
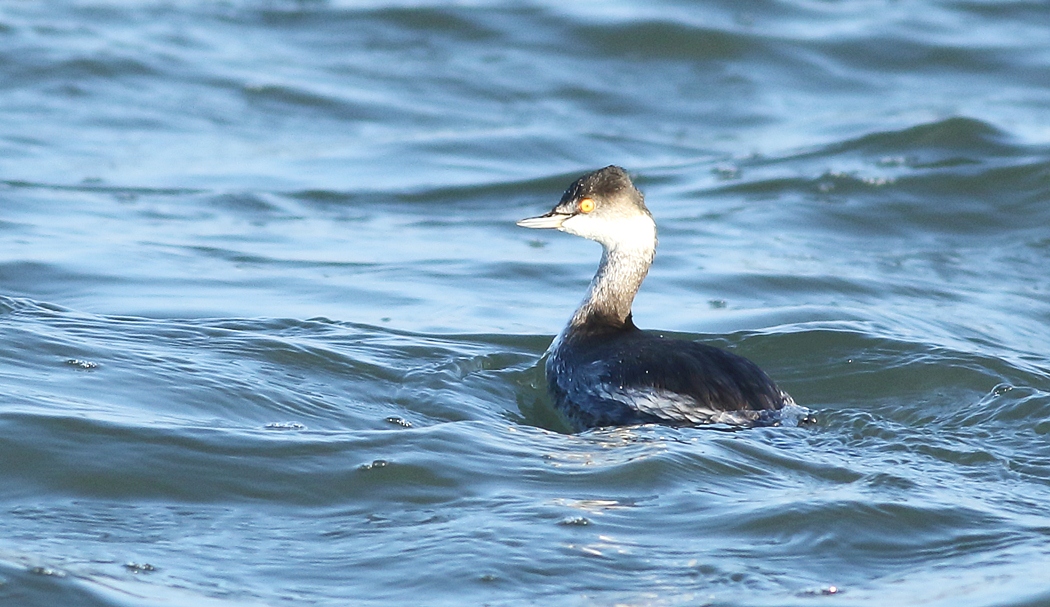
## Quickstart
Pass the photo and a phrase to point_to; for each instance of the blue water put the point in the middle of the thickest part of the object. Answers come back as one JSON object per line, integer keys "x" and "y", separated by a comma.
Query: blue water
{"x": 269, "y": 334}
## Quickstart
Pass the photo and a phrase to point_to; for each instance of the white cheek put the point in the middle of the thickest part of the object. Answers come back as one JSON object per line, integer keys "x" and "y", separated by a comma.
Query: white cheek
{"x": 581, "y": 225}
{"x": 634, "y": 232}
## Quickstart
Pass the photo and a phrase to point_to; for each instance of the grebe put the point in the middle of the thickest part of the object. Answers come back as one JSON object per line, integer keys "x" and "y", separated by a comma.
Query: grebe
{"x": 604, "y": 371}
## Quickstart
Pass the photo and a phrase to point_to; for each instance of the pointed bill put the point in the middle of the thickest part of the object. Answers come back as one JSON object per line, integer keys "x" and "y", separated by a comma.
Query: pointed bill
{"x": 550, "y": 220}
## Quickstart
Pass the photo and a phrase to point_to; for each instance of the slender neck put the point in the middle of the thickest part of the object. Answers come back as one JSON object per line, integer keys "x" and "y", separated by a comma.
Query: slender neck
{"x": 620, "y": 274}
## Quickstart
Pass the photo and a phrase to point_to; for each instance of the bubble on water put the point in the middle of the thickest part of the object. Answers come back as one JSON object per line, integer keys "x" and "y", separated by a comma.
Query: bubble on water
{"x": 285, "y": 426}
{"x": 575, "y": 521}
{"x": 140, "y": 567}
{"x": 40, "y": 570}
{"x": 398, "y": 421}
{"x": 379, "y": 463}
{"x": 1001, "y": 389}
{"x": 81, "y": 364}
{"x": 823, "y": 591}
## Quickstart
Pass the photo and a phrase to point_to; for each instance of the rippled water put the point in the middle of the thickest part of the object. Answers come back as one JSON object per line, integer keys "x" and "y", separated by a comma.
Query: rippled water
{"x": 269, "y": 335}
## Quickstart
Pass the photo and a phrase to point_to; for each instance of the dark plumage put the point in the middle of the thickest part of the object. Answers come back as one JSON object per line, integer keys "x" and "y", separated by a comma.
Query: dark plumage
{"x": 604, "y": 371}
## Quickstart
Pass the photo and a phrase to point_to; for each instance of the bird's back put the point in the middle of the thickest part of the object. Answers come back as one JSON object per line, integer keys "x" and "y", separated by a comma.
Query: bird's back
{"x": 607, "y": 375}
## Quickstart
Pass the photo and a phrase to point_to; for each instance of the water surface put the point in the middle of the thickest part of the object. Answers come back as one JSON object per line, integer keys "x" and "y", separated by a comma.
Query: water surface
{"x": 269, "y": 334}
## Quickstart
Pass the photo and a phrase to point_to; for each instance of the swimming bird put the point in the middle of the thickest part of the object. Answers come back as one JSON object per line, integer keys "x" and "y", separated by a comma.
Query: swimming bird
{"x": 601, "y": 369}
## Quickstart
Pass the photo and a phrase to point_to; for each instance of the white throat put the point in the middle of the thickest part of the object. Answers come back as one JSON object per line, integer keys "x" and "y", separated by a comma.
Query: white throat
{"x": 628, "y": 248}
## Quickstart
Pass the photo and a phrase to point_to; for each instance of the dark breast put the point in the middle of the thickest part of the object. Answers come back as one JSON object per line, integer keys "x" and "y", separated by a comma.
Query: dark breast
{"x": 613, "y": 376}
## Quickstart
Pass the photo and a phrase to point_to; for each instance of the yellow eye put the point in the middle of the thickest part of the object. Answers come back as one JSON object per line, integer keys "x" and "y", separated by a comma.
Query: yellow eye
{"x": 586, "y": 205}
